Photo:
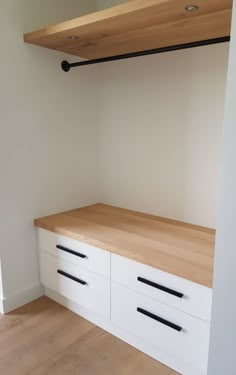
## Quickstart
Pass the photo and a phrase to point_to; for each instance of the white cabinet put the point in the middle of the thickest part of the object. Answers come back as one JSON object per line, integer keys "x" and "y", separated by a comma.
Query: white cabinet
{"x": 165, "y": 328}
{"x": 138, "y": 303}
{"x": 81, "y": 254}
{"x": 81, "y": 286}
{"x": 174, "y": 291}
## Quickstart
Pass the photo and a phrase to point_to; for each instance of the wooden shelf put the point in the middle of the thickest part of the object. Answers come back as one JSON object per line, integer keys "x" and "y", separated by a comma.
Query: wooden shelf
{"x": 181, "y": 249}
{"x": 137, "y": 25}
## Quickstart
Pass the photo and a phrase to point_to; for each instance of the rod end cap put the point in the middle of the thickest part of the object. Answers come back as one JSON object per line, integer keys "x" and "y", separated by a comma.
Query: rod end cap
{"x": 65, "y": 66}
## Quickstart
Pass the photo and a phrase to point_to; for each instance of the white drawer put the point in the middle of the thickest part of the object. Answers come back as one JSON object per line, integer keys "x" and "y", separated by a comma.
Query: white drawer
{"x": 196, "y": 299}
{"x": 189, "y": 345}
{"x": 86, "y": 256}
{"x": 83, "y": 287}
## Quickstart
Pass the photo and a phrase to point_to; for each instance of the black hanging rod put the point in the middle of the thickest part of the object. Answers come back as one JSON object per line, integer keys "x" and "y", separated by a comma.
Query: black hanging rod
{"x": 66, "y": 66}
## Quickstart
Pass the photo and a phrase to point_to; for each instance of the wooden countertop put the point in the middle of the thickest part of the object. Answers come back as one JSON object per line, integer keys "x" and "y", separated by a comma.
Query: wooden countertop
{"x": 181, "y": 249}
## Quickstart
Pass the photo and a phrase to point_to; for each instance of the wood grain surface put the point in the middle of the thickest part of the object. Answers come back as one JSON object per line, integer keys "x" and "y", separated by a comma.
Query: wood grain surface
{"x": 137, "y": 25}
{"x": 181, "y": 249}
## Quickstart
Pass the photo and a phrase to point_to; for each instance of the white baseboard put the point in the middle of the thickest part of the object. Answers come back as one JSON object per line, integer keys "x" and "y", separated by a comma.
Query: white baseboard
{"x": 1, "y": 304}
{"x": 20, "y": 298}
{"x": 170, "y": 361}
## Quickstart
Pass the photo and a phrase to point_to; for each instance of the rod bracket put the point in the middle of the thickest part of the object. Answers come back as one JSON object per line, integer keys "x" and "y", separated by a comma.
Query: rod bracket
{"x": 65, "y": 66}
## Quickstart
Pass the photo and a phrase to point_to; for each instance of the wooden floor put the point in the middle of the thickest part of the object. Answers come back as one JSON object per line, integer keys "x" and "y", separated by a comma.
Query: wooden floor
{"x": 45, "y": 338}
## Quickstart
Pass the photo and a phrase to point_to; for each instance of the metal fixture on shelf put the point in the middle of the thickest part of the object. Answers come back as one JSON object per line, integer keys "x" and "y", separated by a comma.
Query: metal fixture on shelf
{"x": 191, "y": 8}
{"x": 73, "y": 37}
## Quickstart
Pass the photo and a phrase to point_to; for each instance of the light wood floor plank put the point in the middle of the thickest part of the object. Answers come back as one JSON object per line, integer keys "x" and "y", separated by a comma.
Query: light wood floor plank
{"x": 23, "y": 334}
{"x": 56, "y": 338}
{"x": 45, "y": 338}
{"x": 24, "y": 313}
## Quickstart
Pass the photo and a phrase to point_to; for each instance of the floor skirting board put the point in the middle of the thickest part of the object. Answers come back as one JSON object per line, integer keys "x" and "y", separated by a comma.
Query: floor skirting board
{"x": 1, "y": 304}
{"x": 13, "y": 301}
{"x": 174, "y": 363}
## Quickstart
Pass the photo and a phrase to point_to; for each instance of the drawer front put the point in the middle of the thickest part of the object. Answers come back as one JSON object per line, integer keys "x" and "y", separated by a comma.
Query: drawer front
{"x": 165, "y": 328}
{"x": 86, "y": 256}
{"x": 81, "y": 286}
{"x": 179, "y": 293}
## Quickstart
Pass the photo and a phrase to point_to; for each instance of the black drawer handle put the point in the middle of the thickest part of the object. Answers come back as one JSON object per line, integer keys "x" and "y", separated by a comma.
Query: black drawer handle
{"x": 71, "y": 277}
{"x": 160, "y": 320}
{"x": 161, "y": 287}
{"x": 71, "y": 251}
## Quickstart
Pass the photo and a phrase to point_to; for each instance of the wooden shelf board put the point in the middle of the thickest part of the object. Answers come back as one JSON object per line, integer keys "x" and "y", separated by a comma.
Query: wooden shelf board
{"x": 181, "y": 249}
{"x": 135, "y": 26}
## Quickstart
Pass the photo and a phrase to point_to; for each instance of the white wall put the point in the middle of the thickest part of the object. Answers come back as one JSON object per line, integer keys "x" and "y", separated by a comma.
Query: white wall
{"x": 161, "y": 121}
{"x": 102, "y": 4}
{"x": 32, "y": 15}
{"x": 223, "y": 332}
{"x": 48, "y": 148}
{"x": 1, "y": 290}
